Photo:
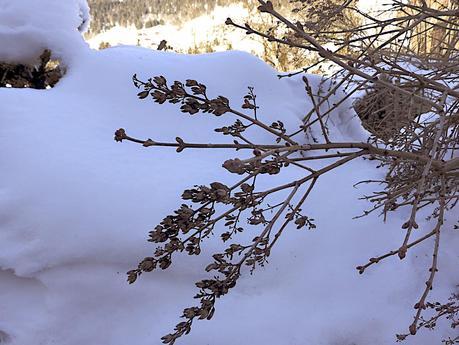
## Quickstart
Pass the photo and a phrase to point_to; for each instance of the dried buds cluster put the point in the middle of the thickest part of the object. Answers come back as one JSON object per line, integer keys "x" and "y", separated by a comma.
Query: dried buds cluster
{"x": 191, "y": 103}
{"x": 237, "y": 166}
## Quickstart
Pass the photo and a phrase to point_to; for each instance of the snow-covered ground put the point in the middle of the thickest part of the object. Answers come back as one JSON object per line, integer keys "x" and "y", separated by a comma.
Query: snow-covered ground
{"x": 76, "y": 207}
{"x": 203, "y": 31}
{"x": 195, "y": 33}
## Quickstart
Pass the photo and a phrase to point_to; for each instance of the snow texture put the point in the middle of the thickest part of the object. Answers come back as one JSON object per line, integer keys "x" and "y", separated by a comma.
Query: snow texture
{"x": 75, "y": 208}
{"x": 28, "y": 27}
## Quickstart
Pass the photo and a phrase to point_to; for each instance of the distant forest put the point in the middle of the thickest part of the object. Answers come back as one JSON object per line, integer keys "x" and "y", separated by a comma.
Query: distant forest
{"x": 106, "y": 14}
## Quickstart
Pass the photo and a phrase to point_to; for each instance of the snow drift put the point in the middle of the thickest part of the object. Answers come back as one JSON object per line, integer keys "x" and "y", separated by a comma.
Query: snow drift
{"x": 76, "y": 207}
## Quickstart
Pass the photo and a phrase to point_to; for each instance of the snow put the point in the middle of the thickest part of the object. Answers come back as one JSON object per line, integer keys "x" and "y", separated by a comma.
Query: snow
{"x": 76, "y": 207}
{"x": 372, "y": 6}
{"x": 28, "y": 27}
{"x": 195, "y": 32}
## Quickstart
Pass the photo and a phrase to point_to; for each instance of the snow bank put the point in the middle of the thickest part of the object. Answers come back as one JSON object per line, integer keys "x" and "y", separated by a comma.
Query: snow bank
{"x": 28, "y": 27}
{"x": 75, "y": 209}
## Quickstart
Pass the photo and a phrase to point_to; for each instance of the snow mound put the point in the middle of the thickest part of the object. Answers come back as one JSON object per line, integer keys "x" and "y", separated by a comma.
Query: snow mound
{"x": 29, "y": 27}
{"x": 76, "y": 207}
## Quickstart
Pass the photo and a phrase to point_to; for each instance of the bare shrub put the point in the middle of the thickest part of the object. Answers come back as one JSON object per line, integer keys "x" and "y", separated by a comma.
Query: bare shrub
{"x": 385, "y": 112}
{"x": 417, "y": 93}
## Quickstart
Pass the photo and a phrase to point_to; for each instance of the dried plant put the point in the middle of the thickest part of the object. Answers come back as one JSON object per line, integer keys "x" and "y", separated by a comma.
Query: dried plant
{"x": 372, "y": 57}
{"x": 41, "y": 76}
{"x": 449, "y": 310}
